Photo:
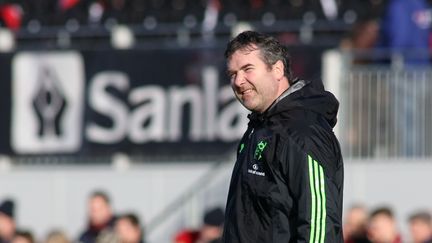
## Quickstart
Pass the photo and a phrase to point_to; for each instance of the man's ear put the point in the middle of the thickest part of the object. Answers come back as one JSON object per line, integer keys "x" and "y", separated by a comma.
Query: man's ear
{"x": 278, "y": 69}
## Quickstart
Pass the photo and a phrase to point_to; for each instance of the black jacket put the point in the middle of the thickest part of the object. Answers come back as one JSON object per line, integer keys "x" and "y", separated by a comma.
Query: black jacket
{"x": 287, "y": 182}
{"x": 92, "y": 233}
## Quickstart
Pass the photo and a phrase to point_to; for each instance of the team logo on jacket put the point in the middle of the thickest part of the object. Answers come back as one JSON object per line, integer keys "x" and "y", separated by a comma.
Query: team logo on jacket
{"x": 257, "y": 162}
{"x": 255, "y": 170}
{"x": 259, "y": 150}
{"x": 255, "y": 166}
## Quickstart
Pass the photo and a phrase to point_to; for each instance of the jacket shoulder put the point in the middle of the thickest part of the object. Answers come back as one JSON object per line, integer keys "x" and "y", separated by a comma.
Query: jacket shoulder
{"x": 309, "y": 133}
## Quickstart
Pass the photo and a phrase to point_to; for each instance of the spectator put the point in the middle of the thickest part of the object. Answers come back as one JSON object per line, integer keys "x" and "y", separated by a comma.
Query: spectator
{"x": 359, "y": 45}
{"x": 361, "y": 39}
{"x": 212, "y": 228}
{"x": 23, "y": 237}
{"x": 382, "y": 227}
{"x": 7, "y": 222}
{"x": 128, "y": 229}
{"x": 421, "y": 227}
{"x": 209, "y": 232}
{"x": 11, "y": 15}
{"x": 355, "y": 225}
{"x": 405, "y": 29}
{"x": 57, "y": 236}
{"x": 101, "y": 219}
{"x": 186, "y": 236}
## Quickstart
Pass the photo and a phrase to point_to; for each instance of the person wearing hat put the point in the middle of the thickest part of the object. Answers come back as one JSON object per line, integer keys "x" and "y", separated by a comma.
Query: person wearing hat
{"x": 212, "y": 228}
{"x": 7, "y": 222}
{"x": 209, "y": 232}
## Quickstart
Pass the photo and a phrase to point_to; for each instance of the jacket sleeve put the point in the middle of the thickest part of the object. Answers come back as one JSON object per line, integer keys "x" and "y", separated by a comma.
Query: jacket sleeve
{"x": 316, "y": 194}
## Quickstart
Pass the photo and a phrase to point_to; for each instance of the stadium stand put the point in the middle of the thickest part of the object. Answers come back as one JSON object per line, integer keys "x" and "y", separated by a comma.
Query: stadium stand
{"x": 90, "y": 20}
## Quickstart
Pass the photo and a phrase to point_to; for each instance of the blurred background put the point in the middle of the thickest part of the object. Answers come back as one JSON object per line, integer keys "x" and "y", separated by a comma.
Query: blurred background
{"x": 118, "y": 123}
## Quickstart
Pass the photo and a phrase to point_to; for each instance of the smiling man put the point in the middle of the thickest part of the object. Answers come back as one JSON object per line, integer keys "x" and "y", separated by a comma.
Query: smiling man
{"x": 287, "y": 182}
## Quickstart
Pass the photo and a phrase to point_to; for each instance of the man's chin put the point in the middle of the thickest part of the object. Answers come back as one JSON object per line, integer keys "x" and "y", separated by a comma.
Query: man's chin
{"x": 249, "y": 106}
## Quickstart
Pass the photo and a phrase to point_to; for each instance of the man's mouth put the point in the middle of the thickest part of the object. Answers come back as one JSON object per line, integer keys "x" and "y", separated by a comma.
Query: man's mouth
{"x": 247, "y": 91}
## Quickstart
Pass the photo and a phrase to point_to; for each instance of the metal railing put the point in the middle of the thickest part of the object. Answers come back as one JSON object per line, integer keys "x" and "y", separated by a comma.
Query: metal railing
{"x": 186, "y": 211}
{"x": 385, "y": 109}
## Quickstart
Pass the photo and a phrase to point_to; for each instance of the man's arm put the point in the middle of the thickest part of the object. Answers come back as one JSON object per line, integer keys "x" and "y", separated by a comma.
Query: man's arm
{"x": 316, "y": 193}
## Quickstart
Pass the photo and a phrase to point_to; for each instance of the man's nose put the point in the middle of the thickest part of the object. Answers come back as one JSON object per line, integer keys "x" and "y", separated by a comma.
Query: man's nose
{"x": 239, "y": 79}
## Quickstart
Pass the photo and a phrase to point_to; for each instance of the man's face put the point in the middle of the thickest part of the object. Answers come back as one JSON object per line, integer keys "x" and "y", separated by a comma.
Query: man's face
{"x": 127, "y": 232}
{"x": 355, "y": 222}
{"x": 7, "y": 227}
{"x": 99, "y": 210}
{"x": 255, "y": 85}
{"x": 420, "y": 231}
{"x": 209, "y": 233}
{"x": 382, "y": 229}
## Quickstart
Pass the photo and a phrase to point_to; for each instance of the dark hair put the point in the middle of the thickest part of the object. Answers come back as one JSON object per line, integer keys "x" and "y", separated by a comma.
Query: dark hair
{"x": 382, "y": 211}
{"x": 7, "y": 208}
{"x": 214, "y": 217}
{"x": 131, "y": 217}
{"x": 270, "y": 49}
{"x": 101, "y": 194}
{"x": 423, "y": 216}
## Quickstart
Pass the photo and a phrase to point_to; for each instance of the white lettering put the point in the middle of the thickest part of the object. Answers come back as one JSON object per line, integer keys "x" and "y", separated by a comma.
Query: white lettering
{"x": 154, "y": 114}
{"x": 147, "y": 121}
{"x": 179, "y": 98}
{"x": 109, "y": 106}
{"x": 254, "y": 172}
{"x": 233, "y": 118}
{"x": 210, "y": 79}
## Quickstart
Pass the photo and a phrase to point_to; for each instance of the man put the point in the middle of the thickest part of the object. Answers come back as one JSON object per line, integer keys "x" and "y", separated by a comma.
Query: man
{"x": 383, "y": 227}
{"x": 404, "y": 31}
{"x": 128, "y": 229}
{"x": 209, "y": 232}
{"x": 101, "y": 218}
{"x": 212, "y": 227}
{"x": 23, "y": 237}
{"x": 421, "y": 227}
{"x": 7, "y": 221}
{"x": 405, "y": 28}
{"x": 355, "y": 225}
{"x": 287, "y": 182}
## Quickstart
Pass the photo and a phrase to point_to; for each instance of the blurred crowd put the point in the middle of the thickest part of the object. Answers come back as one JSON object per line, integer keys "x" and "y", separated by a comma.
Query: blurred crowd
{"x": 360, "y": 225}
{"x": 210, "y": 231}
{"x": 208, "y": 15}
{"x": 15, "y": 14}
{"x": 400, "y": 39}
{"x": 380, "y": 225}
{"x": 105, "y": 226}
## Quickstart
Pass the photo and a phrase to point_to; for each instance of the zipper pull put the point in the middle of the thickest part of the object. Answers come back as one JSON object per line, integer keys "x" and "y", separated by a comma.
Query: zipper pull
{"x": 252, "y": 131}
